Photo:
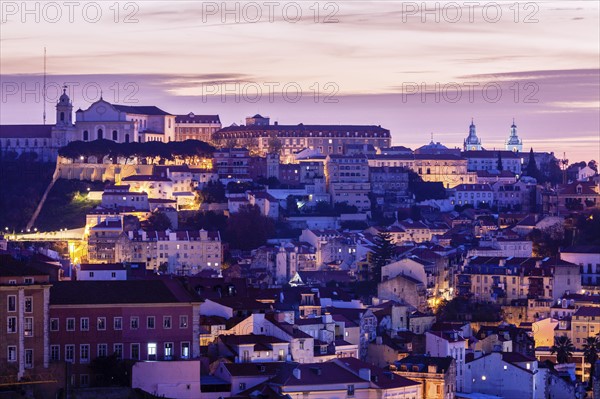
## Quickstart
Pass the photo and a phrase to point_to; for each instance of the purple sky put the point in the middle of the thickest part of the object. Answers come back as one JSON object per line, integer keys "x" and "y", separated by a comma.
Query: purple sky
{"x": 368, "y": 57}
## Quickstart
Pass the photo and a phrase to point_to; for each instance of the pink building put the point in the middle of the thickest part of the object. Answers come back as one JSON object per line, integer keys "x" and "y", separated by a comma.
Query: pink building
{"x": 138, "y": 320}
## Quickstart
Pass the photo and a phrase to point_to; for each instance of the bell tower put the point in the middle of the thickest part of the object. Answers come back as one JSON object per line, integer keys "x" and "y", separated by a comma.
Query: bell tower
{"x": 64, "y": 110}
{"x": 513, "y": 143}
{"x": 63, "y": 131}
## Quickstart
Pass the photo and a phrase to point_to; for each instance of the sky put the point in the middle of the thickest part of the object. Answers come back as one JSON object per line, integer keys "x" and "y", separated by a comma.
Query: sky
{"x": 418, "y": 69}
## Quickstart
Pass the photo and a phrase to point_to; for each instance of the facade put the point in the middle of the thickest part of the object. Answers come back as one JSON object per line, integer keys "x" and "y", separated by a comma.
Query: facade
{"x": 196, "y": 127}
{"x": 510, "y": 375}
{"x": 347, "y": 179}
{"x": 488, "y": 160}
{"x": 472, "y": 194}
{"x": 449, "y": 343}
{"x": 585, "y": 322}
{"x": 232, "y": 163}
{"x": 102, "y": 240}
{"x": 436, "y": 374}
{"x": 588, "y": 259}
{"x": 179, "y": 252}
{"x": 259, "y": 135}
{"x": 137, "y": 320}
{"x": 24, "y": 339}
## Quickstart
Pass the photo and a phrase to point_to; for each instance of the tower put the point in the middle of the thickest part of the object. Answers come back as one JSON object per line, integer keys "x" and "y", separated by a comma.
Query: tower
{"x": 64, "y": 110}
{"x": 513, "y": 143}
{"x": 273, "y": 165}
{"x": 472, "y": 142}
{"x": 63, "y": 131}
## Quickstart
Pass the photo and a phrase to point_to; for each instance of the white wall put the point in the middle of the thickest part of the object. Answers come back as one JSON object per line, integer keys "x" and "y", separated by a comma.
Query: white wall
{"x": 173, "y": 379}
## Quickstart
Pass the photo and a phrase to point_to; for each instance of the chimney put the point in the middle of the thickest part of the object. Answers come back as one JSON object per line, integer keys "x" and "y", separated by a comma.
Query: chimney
{"x": 297, "y": 374}
{"x": 365, "y": 374}
{"x": 431, "y": 369}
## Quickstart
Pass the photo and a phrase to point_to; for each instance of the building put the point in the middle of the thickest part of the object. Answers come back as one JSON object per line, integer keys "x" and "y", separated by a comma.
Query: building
{"x": 232, "y": 163}
{"x": 436, "y": 374}
{"x": 488, "y": 160}
{"x": 101, "y": 272}
{"x": 449, "y": 343}
{"x": 24, "y": 338}
{"x": 119, "y": 197}
{"x": 509, "y": 375}
{"x": 588, "y": 259}
{"x": 179, "y": 252}
{"x": 477, "y": 195}
{"x": 347, "y": 179}
{"x": 196, "y": 127}
{"x": 261, "y": 136}
{"x": 472, "y": 142}
{"x": 103, "y": 238}
{"x": 137, "y": 320}
{"x": 585, "y": 322}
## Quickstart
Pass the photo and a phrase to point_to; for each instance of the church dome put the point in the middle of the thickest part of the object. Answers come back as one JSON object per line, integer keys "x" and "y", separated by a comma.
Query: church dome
{"x": 64, "y": 98}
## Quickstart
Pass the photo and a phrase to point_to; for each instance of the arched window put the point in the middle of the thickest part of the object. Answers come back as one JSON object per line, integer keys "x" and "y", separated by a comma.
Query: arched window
{"x": 115, "y": 135}
{"x": 100, "y": 134}
{"x": 86, "y": 135}
{"x": 62, "y": 116}
{"x": 127, "y": 138}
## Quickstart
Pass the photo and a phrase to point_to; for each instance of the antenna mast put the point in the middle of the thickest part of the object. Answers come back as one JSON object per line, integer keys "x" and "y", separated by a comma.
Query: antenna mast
{"x": 44, "y": 88}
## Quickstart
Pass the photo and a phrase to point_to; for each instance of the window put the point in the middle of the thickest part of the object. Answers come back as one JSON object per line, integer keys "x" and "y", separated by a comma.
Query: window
{"x": 185, "y": 350}
{"x": 84, "y": 324}
{"x": 69, "y": 353}
{"x": 86, "y": 135}
{"x": 102, "y": 350}
{"x": 84, "y": 380}
{"x": 28, "y": 327}
{"x": 54, "y": 352}
{"x": 242, "y": 386}
{"x": 28, "y": 358}
{"x": 11, "y": 325}
{"x": 71, "y": 324}
{"x": 115, "y": 135}
{"x": 118, "y": 350}
{"x": 12, "y": 354}
{"x": 135, "y": 351}
{"x": 183, "y": 321}
{"x": 91, "y": 274}
{"x": 12, "y": 303}
{"x": 151, "y": 351}
{"x": 134, "y": 323}
{"x": 101, "y": 323}
{"x": 167, "y": 322}
{"x": 150, "y": 322}
{"x": 84, "y": 353}
{"x": 350, "y": 390}
{"x": 168, "y": 350}
{"x": 100, "y": 134}
{"x": 53, "y": 324}
{"x": 28, "y": 304}
{"x": 118, "y": 323}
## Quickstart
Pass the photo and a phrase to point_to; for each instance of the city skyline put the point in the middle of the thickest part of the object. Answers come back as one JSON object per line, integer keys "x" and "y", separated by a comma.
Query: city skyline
{"x": 551, "y": 66}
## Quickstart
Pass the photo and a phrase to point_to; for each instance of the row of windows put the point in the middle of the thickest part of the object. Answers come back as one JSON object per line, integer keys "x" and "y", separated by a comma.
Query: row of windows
{"x": 101, "y": 325}
{"x": 102, "y": 350}
{"x": 12, "y": 356}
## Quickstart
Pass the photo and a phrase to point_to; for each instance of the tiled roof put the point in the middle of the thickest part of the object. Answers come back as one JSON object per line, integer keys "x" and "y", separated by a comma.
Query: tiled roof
{"x": 140, "y": 110}
{"x": 112, "y": 292}
{"x": 193, "y": 118}
{"x": 442, "y": 363}
{"x": 587, "y": 311}
{"x": 10, "y": 267}
{"x": 145, "y": 178}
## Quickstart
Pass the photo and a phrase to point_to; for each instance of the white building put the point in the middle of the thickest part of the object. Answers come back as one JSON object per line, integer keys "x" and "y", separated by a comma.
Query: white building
{"x": 509, "y": 375}
{"x": 449, "y": 343}
{"x": 101, "y": 272}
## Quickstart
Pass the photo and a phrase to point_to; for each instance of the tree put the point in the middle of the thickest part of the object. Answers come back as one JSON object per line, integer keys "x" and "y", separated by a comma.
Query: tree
{"x": 213, "y": 192}
{"x": 158, "y": 221}
{"x": 563, "y": 347}
{"x": 499, "y": 166}
{"x": 591, "y": 348}
{"x": 532, "y": 168}
{"x": 382, "y": 253}
{"x": 248, "y": 229}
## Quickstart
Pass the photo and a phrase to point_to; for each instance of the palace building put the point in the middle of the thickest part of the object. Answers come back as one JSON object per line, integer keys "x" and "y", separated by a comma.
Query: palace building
{"x": 259, "y": 135}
